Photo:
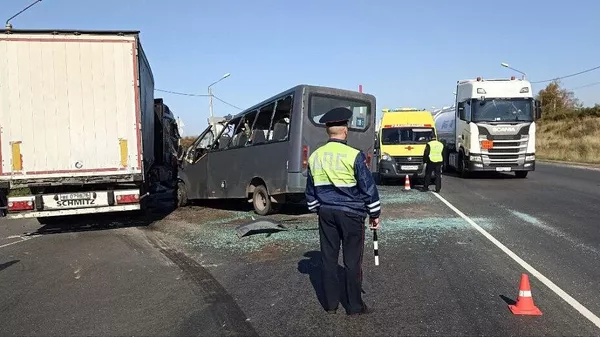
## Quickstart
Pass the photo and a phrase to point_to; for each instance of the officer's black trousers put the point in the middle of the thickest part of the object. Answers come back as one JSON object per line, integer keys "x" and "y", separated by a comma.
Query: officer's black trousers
{"x": 349, "y": 228}
{"x": 437, "y": 167}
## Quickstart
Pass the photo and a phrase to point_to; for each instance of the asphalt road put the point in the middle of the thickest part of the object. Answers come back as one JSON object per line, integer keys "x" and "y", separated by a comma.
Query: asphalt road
{"x": 551, "y": 220}
{"x": 103, "y": 279}
{"x": 438, "y": 275}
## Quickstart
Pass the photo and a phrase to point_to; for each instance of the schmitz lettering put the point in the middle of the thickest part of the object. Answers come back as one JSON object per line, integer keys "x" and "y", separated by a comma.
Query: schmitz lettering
{"x": 76, "y": 202}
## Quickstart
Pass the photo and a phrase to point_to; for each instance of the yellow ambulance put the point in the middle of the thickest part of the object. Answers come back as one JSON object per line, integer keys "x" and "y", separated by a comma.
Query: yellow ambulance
{"x": 401, "y": 140}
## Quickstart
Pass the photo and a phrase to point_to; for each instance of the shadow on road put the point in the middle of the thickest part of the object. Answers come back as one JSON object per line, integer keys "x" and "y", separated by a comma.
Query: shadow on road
{"x": 483, "y": 175}
{"x": 312, "y": 268}
{"x": 8, "y": 264}
{"x": 508, "y": 301}
{"x": 238, "y": 205}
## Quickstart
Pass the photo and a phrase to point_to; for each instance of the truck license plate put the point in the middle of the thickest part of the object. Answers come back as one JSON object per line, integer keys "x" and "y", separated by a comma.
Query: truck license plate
{"x": 503, "y": 169}
{"x": 75, "y": 199}
{"x": 409, "y": 167}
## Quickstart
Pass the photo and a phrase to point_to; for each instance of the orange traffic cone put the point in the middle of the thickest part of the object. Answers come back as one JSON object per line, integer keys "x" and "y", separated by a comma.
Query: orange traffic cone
{"x": 406, "y": 183}
{"x": 525, "y": 304}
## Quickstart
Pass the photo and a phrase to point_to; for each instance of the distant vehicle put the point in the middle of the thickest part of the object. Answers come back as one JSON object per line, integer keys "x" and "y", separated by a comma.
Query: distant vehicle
{"x": 261, "y": 154}
{"x": 491, "y": 128}
{"x": 81, "y": 129}
{"x": 401, "y": 141}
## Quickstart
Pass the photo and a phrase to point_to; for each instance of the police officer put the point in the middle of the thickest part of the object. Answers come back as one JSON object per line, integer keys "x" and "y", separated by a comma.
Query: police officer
{"x": 341, "y": 189}
{"x": 433, "y": 159}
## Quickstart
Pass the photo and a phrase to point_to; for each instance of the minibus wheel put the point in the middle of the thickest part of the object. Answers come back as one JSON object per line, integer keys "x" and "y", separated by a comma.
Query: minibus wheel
{"x": 261, "y": 200}
{"x": 182, "y": 199}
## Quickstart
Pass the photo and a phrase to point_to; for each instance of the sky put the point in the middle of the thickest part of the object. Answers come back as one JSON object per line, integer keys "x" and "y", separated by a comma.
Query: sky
{"x": 406, "y": 53}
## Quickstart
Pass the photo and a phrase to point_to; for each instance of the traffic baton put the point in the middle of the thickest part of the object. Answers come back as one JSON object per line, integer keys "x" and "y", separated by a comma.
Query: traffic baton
{"x": 375, "y": 248}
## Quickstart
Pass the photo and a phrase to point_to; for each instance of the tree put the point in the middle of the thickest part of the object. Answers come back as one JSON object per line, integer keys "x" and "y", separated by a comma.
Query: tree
{"x": 557, "y": 102}
{"x": 187, "y": 141}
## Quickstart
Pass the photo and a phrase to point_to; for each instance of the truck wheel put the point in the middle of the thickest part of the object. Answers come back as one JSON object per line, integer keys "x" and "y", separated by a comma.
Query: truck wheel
{"x": 521, "y": 174}
{"x": 461, "y": 166}
{"x": 261, "y": 201}
{"x": 182, "y": 199}
{"x": 446, "y": 163}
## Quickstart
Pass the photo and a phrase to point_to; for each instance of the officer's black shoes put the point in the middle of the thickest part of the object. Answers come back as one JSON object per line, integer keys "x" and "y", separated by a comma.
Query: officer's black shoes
{"x": 365, "y": 311}
{"x": 331, "y": 311}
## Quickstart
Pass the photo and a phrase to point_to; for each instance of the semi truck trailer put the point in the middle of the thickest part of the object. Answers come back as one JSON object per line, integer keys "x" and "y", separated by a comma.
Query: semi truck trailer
{"x": 80, "y": 129}
{"x": 491, "y": 127}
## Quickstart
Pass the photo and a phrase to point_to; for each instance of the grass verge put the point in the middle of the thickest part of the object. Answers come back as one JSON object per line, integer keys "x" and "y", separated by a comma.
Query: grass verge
{"x": 570, "y": 140}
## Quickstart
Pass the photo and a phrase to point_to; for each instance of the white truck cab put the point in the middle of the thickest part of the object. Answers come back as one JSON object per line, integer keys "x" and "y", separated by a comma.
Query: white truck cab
{"x": 491, "y": 128}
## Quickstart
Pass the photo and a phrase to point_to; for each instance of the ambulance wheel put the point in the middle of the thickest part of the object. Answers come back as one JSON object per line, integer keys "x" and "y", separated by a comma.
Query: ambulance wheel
{"x": 182, "y": 199}
{"x": 261, "y": 201}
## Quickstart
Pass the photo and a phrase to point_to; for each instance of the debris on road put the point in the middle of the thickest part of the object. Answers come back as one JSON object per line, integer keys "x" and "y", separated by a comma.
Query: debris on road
{"x": 406, "y": 216}
{"x": 258, "y": 227}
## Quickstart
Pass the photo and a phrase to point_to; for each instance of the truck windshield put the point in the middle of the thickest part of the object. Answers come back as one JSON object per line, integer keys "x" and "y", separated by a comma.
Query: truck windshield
{"x": 502, "y": 110}
{"x": 392, "y": 136}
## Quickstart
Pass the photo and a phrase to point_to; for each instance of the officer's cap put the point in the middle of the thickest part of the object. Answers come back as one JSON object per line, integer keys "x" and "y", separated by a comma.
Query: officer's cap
{"x": 336, "y": 117}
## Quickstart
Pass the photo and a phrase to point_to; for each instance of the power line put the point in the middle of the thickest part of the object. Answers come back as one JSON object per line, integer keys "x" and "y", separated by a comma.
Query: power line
{"x": 571, "y": 75}
{"x": 586, "y": 86}
{"x": 181, "y": 93}
{"x": 199, "y": 95}
{"x": 231, "y": 105}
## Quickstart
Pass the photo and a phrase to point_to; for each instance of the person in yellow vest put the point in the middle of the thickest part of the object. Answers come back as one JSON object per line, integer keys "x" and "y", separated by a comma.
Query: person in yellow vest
{"x": 341, "y": 189}
{"x": 433, "y": 158}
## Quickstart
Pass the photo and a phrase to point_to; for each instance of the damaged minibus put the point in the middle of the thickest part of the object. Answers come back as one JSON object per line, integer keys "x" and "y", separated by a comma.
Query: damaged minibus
{"x": 261, "y": 154}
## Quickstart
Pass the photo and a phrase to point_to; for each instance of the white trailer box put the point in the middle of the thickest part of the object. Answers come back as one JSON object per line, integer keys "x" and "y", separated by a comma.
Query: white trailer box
{"x": 76, "y": 109}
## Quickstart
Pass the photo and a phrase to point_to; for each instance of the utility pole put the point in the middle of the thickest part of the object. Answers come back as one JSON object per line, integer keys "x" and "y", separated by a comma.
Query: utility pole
{"x": 210, "y": 98}
{"x": 8, "y": 25}
{"x": 210, "y": 102}
{"x": 505, "y": 65}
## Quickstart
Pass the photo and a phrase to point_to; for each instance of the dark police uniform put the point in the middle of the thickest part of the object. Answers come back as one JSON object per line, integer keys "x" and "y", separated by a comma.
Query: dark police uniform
{"x": 340, "y": 187}
{"x": 433, "y": 157}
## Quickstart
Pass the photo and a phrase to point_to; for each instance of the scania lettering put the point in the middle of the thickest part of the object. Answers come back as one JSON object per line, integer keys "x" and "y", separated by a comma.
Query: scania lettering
{"x": 491, "y": 127}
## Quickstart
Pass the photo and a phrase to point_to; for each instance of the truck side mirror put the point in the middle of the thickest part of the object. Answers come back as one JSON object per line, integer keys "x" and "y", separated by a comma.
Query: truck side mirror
{"x": 538, "y": 109}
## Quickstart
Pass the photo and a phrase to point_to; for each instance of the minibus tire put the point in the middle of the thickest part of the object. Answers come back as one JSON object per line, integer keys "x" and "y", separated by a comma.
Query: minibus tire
{"x": 260, "y": 196}
{"x": 181, "y": 195}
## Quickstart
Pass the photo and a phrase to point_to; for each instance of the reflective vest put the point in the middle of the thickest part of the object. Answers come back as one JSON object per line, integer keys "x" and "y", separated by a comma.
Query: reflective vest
{"x": 435, "y": 151}
{"x": 333, "y": 164}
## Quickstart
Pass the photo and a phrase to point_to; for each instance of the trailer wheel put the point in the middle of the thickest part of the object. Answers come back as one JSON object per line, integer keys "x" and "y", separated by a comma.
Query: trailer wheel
{"x": 261, "y": 200}
{"x": 182, "y": 199}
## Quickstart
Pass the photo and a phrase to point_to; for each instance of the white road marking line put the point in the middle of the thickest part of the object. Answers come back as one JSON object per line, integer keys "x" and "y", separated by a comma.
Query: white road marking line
{"x": 571, "y": 165}
{"x": 566, "y": 297}
{"x": 23, "y": 239}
